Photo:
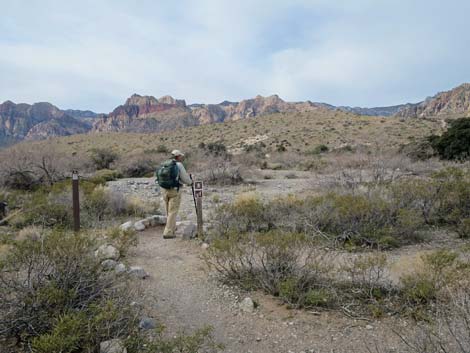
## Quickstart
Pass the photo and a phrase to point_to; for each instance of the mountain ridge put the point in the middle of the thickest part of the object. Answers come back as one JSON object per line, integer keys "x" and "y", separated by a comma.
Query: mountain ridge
{"x": 147, "y": 114}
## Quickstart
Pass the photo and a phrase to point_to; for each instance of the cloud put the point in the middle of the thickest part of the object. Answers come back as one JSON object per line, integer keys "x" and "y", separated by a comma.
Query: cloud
{"x": 93, "y": 54}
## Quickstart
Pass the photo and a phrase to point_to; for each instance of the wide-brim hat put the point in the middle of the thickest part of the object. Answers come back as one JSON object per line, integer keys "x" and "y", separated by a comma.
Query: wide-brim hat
{"x": 177, "y": 153}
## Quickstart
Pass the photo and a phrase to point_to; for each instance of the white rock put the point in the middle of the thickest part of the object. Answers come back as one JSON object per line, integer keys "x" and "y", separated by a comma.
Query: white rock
{"x": 205, "y": 246}
{"x": 157, "y": 220}
{"x": 112, "y": 346}
{"x": 146, "y": 222}
{"x": 369, "y": 327}
{"x": 138, "y": 272}
{"x": 106, "y": 252}
{"x": 247, "y": 305}
{"x": 139, "y": 226}
{"x": 120, "y": 268}
{"x": 108, "y": 264}
{"x": 187, "y": 230}
{"x": 126, "y": 226}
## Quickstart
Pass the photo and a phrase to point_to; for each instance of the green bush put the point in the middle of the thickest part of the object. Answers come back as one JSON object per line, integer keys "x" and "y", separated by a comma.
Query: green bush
{"x": 103, "y": 157}
{"x": 53, "y": 286}
{"x": 454, "y": 144}
{"x": 55, "y": 297}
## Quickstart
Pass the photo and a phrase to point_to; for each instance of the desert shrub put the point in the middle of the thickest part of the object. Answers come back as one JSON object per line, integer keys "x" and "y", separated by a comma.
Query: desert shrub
{"x": 51, "y": 207}
{"x": 104, "y": 175}
{"x": 463, "y": 228}
{"x": 55, "y": 297}
{"x": 440, "y": 270}
{"x": 53, "y": 287}
{"x": 347, "y": 219}
{"x": 455, "y": 142}
{"x": 137, "y": 166}
{"x": 26, "y": 168}
{"x": 247, "y": 213}
{"x": 123, "y": 240}
{"x": 103, "y": 157}
{"x": 222, "y": 172}
{"x": 282, "y": 264}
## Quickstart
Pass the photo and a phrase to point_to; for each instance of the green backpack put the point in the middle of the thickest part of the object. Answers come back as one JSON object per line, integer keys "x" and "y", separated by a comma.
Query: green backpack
{"x": 168, "y": 175}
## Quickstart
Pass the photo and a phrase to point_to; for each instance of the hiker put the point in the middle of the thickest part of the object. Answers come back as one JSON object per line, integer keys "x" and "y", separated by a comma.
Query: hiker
{"x": 171, "y": 176}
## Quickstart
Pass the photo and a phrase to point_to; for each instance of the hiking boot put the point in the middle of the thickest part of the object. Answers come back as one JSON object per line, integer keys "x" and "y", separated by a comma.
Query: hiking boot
{"x": 169, "y": 236}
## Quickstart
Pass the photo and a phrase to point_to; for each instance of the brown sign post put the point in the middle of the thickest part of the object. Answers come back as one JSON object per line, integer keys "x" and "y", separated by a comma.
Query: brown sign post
{"x": 198, "y": 194}
{"x": 75, "y": 202}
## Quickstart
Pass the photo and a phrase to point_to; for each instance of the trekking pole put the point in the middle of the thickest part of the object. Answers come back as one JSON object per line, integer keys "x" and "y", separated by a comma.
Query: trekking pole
{"x": 192, "y": 188}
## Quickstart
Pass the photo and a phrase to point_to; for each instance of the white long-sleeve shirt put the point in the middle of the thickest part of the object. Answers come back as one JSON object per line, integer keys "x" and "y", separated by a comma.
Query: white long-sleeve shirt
{"x": 183, "y": 174}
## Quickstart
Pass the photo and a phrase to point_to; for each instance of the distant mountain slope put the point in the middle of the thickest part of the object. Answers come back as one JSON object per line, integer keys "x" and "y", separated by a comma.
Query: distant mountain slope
{"x": 24, "y": 121}
{"x": 147, "y": 113}
{"x": 80, "y": 114}
{"x": 376, "y": 111}
{"x": 455, "y": 102}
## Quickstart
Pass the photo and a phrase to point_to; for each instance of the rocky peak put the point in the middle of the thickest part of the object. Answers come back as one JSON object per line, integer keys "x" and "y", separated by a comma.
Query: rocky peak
{"x": 139, "y": 100}
{"x": 172, "y": 101}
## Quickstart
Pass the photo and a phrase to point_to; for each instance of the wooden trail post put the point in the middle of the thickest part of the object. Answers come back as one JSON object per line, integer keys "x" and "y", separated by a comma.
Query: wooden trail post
{"x": 75, "y": 202}
{"x": 198, "y": 196}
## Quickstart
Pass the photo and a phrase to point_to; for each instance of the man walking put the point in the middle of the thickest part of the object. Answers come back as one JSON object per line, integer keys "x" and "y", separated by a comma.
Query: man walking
{"x": 171, "y": 176}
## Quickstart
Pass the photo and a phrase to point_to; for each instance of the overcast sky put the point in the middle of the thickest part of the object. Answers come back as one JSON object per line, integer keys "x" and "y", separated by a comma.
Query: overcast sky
{"x": 93, "y": 54}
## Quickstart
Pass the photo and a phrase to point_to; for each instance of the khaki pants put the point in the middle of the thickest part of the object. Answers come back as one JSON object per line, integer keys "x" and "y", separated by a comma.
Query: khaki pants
{"x": 172, "y": 199}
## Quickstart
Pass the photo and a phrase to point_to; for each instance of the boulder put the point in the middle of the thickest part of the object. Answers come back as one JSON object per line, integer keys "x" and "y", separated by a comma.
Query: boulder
{"x": 139, "y": 226}
{"x": 247, "y": 305}
{"x": 205, "y": 246}
{"x": 106, "y": 252}
{"x": 108, "y": 264}
{"x": 113, "y": 346}
{"x": 138, "y": 272}
{"x": 126, "y": 226}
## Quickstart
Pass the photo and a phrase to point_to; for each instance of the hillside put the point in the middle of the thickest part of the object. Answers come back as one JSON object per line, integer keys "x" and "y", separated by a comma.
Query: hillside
{"x": 453, "y": 103}
{"x": 294, "y": 131}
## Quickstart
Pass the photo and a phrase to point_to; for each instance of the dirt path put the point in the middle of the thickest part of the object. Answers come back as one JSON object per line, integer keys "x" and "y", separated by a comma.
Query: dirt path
{"x": 188, "y": 297}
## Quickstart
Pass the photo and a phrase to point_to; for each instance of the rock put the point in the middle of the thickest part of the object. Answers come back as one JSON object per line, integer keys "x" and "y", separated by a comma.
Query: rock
{"x": 247, "y": 305}
{"x": 146, "y": 222}
{"x": 138, "y": 272}
{"x": 139, "y": 226}
{"x": 147, "y": 323}
{"x": 126, "y": 226}
{"x": 157, "y": 220}
{"x": 120, "y": 268}
{"x": 369, "y": 327}
{"x": 106, "y": 252}
{"x": 187, "y": 230}
{"x": 112, "y": 346}
{"x": 108, "y": 264}
{"x": 205, "y": 246}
